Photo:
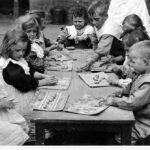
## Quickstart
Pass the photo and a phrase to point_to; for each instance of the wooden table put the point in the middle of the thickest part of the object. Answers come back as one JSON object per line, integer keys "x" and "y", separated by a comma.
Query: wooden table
{"x": 112, "y": 119}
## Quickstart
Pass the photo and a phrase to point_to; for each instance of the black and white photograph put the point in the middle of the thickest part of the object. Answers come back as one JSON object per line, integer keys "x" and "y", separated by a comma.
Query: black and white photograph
{"x": 74, "y": 73}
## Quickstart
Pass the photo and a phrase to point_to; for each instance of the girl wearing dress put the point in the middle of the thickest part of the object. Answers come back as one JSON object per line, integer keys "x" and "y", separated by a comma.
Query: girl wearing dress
{"x": 18, "y": 78}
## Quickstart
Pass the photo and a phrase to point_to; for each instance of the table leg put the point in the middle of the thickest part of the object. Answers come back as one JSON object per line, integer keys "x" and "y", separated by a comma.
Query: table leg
{"x": 39, "y": 134}
{"x": 126, "y": 134}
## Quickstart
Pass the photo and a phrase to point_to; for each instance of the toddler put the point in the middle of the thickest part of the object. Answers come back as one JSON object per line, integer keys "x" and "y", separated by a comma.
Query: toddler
{"x": 77, "y": 35}
{"x": 136, "y": 98}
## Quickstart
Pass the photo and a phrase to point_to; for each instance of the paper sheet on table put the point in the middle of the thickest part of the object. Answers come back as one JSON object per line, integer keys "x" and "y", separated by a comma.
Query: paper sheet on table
{"x": 50, "y": 101}
{"x": 95, "y": 79}
{"x": 86, "y": 105}
{"x": 63, "y": 84}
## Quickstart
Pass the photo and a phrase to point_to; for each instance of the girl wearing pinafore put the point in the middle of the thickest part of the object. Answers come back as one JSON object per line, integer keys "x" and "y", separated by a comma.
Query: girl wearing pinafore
{"x": 18, "y": 78}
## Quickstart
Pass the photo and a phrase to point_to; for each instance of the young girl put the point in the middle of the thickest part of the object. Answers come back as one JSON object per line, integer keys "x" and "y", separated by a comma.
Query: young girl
{"x": 19, "y": 79}
{"x": 13, "y": 127}
{"x": 78, "y": 34}
{"x": 125, "y": 72}
{"x": 36, "y": 57}
{"x": 132, "y": 22}
{"x": 134, "y": 31}
{"x": 39, "y": 15}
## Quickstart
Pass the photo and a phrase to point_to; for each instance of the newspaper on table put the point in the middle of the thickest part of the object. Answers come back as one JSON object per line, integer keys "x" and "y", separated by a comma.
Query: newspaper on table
{"x": 87, "y": 105}
{"x": 95, "y": 79}
{"x": 63, "y": 84}
{"x": 50, "y": 101}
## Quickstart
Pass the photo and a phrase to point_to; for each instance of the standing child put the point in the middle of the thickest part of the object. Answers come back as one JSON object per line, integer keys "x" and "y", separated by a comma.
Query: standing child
{"x": 78, "y": 34}
{"x": 137, "y": 98}
{"x": 19, "y": 79}
{"x": 107, "y": 32}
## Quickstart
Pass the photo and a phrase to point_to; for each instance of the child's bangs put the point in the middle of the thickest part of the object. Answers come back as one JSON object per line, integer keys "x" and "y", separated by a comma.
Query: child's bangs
{"x": 30, "y": 24}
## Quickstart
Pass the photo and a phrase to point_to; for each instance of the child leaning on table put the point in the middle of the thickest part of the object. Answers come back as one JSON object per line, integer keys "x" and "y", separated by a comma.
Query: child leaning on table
{"x": 78, "y": 34}
{"x": 105, "y": 37}
{"x": 136, "y": 98}
{"x": 18, "y": 78}
{"x": 126, "y": 72}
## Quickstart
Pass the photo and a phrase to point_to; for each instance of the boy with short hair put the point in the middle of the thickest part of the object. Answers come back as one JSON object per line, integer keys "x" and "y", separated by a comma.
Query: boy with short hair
{"x": 137, "y": 97}
{"x": 107, "y": 33}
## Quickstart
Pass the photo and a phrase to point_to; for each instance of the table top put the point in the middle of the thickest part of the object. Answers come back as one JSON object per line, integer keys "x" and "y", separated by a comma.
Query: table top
{"x": 76, "y": 90}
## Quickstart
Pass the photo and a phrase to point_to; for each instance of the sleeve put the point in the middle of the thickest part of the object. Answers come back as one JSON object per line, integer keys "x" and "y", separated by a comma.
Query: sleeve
{"x": 14, "y": 75}
{"x": 136, "y": 100}
{"x": 47, "y": 42}
{"x": 104, "y": 45}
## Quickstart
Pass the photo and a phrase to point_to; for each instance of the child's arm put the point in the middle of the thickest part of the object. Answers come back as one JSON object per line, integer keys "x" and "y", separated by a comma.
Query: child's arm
{"x": 103, "y": 49}
{"x": 135, "y": 101}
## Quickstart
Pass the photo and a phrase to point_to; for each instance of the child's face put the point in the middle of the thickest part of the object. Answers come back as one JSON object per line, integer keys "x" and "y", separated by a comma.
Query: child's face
{"x": 18, "y": 50}
{"x": 98, "y": 19}
{"x": 137, "y": 62}
{"x": 78, "y": 22}
{"x": 32, "y": 33}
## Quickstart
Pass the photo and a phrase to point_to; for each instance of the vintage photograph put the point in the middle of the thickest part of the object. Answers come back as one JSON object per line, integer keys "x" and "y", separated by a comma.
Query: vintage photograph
{"x": 74, "y": 72}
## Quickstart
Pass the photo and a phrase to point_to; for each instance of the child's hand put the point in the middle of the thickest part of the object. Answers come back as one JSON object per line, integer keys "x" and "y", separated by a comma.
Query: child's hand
{"x": 113, "y": 80}
{"x": 76, "y": 39}
{"x": 116, "y": 94}
{"x": 51, "y": 80}
{"x": 7, "y": 104}
{"x": 85, "y": 67}
{"x": 115, "y": 68}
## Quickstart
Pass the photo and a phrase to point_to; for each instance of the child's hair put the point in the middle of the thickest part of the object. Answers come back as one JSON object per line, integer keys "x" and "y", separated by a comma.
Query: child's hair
{"x": 37, "y": 14}
{"x": 27, "y": 21}
{"x": 79, "y": 11}
{"x": 143, "y": 48}
{"x": 96, "y": 7}
{"x": 10, "y": 39}
{"x": 135, "y": 36}
{"x": 135, "y": 21}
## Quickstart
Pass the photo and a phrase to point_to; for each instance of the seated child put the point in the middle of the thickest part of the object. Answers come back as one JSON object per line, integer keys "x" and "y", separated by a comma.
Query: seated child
{"x": 129, "y": 38}
{"x": 36, "y": 57}
{"x": 13, "y": 127}
{"x": 106, "y": 33}
{"x": 19, "y": 79}
{"x": 132, "y": 22}
{"x": 39, "y": 15}
{"x": 78, "y": 34}
{"x": 136, "y": 98}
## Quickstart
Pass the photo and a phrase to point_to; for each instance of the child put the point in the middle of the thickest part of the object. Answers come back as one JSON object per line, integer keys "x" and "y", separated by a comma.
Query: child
{"x": 36, "y": 57}
{"x": 13, "y": 128}
{"x": 132, "y": 22}
{"x": 136, "y": 98}
{"x": 106, "y": 32}
{"x": 78, "y": 34}
{"x": 129, "y": 38}
{"x": 39, "y": 15}
{"x": 19, "y": 79}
